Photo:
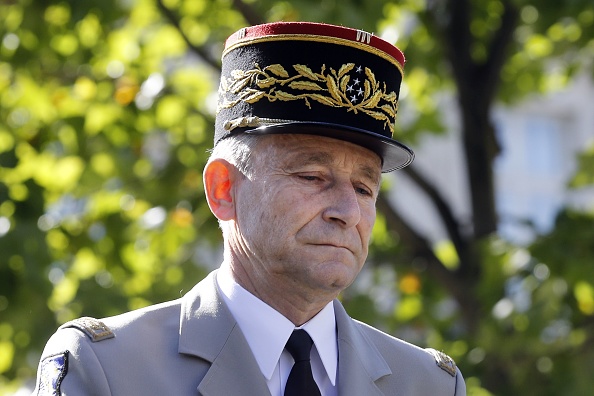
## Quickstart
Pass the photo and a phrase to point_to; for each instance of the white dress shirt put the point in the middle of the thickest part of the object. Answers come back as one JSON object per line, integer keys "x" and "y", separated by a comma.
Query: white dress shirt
{"x": 267, "y": 331}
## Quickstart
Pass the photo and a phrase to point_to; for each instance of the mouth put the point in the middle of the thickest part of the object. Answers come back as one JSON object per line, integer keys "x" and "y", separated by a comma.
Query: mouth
{"x": 333, "y": 245}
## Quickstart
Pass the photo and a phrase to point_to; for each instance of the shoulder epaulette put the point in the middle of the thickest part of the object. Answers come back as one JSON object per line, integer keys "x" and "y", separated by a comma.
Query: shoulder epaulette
{"x": 443, "y": 361}
{"x": 95, "y": 329}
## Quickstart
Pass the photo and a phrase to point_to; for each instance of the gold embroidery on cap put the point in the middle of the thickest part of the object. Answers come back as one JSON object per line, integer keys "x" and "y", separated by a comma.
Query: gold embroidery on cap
{"x": 363, "y": 93}
{"x": 254, "y": 122}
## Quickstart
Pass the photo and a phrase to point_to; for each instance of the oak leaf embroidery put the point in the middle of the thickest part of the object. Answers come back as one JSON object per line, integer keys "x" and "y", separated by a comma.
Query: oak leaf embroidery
{"x": 328, "y": 87}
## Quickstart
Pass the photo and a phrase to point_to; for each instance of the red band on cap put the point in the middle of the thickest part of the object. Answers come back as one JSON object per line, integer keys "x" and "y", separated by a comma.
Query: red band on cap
{"x": 315, "y": 29}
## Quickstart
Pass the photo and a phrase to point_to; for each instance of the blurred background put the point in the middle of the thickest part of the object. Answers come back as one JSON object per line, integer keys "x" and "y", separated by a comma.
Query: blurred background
{"x": 483, "y": 248}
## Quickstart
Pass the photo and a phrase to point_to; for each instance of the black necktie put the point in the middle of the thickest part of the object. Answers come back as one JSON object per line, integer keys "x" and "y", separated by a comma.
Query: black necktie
{"x": 301, "y": 381}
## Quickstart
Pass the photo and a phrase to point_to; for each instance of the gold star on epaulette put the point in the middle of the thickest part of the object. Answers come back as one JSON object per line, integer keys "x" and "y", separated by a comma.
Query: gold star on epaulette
{"x": 95, "y": 329}
{"x": 443, "y": 361}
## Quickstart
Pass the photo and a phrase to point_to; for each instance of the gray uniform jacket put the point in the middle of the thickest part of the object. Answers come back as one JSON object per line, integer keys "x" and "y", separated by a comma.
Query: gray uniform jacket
{"x": 193, "y": 346}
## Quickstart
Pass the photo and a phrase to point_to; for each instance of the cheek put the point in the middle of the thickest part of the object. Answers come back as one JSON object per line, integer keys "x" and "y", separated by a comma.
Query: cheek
{"x": 274, "y": 213}
{"x": 367, "y": 222}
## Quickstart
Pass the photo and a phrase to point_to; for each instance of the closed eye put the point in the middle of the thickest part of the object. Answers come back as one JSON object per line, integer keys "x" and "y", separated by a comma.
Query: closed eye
{"x": 310, "y": 177}
{"x": 363, "y": 191}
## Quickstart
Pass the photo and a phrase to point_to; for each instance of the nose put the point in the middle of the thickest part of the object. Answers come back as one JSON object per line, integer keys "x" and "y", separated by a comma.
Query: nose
{"x": 343, "y": 206}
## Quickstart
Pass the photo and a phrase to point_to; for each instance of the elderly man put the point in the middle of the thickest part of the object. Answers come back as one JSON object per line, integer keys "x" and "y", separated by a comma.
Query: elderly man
{"x": 303, "y": 133}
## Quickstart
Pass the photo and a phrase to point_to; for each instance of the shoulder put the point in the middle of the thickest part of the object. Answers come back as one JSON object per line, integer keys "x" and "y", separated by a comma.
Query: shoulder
{"x": 134, "y": 325}
{"x": 443, "y": 361}
{"x": 124, "y": 332}
{"x": 93, "y": 328}
{"x": 100, "y": 355}
{"x": 391, "y": 344}
{"x": 82, "y": 350}
{"x": 70, "y": 343}
{"x": 87, "y": 338}
{"x": 433, "y": 367}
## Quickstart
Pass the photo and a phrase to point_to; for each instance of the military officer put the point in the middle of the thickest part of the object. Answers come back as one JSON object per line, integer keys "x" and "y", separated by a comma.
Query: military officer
{"x": 303, "y": 132}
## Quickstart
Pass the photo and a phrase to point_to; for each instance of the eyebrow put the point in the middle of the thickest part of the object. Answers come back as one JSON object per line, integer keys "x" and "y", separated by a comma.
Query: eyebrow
{"x": 325, "y": 158}
{"x": 316, "y": 158}
{"x": 371, "y": 174}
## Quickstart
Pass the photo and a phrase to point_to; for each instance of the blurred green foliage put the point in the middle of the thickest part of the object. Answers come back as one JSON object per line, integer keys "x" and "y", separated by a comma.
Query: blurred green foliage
{"x": 106, "y": 114}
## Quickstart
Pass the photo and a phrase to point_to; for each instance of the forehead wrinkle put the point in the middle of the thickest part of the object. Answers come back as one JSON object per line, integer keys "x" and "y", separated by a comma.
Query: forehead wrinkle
{"x": 309, "y": 158}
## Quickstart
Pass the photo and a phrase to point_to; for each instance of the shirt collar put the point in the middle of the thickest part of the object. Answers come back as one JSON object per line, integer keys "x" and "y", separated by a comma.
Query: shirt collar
{"x": 268, "y": 342}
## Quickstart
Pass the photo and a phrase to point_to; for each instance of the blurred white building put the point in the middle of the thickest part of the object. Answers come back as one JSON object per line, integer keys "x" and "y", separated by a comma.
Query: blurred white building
{"x": 540, "y": 139}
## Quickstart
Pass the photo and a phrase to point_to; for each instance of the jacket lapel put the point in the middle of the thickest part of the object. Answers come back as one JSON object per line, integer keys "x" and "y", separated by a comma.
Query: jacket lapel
{"x": 209, "y": 331}
{"x": 359, "y": 362}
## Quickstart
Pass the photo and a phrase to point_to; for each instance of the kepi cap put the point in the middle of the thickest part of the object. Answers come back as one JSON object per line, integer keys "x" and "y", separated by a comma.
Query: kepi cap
{"x": 312, "y": 78}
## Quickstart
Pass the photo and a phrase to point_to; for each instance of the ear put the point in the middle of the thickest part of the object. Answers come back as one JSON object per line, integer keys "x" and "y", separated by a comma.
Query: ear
{"x": 219, "y": 178}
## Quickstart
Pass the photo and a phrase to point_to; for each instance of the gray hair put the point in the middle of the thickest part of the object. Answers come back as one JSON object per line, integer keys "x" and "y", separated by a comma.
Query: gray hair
{"x": 237, "y": 150}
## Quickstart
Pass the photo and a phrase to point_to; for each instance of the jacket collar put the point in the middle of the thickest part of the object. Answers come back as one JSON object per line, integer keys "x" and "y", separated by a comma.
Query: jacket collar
{"x": 209, "y": 331}
{"x": 360, "y": 364}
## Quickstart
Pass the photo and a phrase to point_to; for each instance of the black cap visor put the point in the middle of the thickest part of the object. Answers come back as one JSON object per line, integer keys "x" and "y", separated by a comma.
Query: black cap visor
{"x": 394, "y": 155}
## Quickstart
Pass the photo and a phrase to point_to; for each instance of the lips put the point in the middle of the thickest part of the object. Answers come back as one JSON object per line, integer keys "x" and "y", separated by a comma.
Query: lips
{"x": 333, "y": 239}
{"x": 334, "y": 245}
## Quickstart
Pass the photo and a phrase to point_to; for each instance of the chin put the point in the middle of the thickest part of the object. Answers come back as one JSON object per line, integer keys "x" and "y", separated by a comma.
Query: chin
{"x": 337, "y": 276}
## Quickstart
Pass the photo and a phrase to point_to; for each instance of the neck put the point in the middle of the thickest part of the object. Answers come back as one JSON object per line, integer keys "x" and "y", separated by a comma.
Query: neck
{"x": 299, "y": 308}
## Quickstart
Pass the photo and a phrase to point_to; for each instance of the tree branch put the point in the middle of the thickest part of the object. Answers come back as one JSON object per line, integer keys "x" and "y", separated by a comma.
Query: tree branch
{"x": 491, "y": 69}
{"x": 451, "y": 224}
{"x": 174, "y": 20}
{"x": 421, "y": 248}
{"x": 476, "y": 91}
{"x": 458, "y": 40}
{"x": 249, "y": 14}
